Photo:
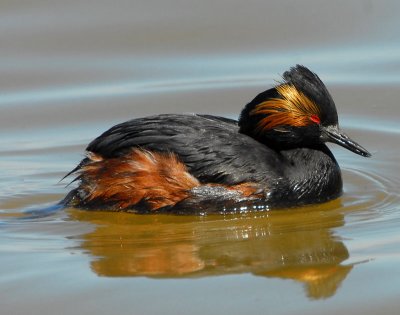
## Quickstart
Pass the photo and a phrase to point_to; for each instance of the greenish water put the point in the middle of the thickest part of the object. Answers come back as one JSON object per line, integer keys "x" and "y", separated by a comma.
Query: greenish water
{"x": 71, "y": 70}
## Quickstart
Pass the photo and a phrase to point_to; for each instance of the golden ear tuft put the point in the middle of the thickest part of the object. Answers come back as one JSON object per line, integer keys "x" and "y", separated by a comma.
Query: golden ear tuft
{"x": 293, "y": 109}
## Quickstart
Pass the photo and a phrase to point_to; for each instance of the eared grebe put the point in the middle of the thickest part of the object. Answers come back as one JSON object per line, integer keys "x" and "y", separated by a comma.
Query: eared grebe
{"x": 274, "y": 156}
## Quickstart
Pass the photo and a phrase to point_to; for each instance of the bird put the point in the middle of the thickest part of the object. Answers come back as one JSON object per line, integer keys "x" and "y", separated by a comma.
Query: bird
{"x": 273, "y": 157}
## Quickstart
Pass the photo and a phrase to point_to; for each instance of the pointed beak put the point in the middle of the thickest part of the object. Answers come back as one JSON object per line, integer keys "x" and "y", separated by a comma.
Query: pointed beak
{"x": 333, "y": 134}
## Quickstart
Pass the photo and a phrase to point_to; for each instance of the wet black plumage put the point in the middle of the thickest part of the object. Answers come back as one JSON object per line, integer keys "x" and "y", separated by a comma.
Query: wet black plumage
{"x": 287, "y": 163}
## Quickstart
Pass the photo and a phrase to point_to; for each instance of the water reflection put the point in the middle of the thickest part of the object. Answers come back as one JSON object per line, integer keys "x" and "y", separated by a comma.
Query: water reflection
{"x": 299, "y": 245}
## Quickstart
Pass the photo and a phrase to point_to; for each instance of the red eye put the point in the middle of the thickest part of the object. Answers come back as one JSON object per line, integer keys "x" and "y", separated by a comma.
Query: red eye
{"x": 315, "y": 118}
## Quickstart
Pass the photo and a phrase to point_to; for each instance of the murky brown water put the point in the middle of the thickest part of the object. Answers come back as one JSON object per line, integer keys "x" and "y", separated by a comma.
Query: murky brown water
{"x": 72, "y": 69}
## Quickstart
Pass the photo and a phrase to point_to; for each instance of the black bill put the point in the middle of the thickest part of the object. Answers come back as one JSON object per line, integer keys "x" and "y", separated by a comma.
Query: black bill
{"x": 333, "y": 134}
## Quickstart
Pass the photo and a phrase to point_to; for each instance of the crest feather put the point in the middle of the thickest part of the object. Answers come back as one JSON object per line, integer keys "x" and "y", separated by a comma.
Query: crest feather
{"x": 293, "y": 109}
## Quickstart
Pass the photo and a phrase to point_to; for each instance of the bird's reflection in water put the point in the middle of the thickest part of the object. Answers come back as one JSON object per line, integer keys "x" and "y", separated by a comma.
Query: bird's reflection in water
{"x": 297, "y": 244}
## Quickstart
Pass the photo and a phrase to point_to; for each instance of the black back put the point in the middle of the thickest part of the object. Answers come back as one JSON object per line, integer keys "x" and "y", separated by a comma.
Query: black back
{"x": 210, "y": 146}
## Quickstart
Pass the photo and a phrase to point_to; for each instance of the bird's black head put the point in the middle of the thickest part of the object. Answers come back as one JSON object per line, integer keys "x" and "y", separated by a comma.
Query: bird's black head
{"x": 297, "y": 112}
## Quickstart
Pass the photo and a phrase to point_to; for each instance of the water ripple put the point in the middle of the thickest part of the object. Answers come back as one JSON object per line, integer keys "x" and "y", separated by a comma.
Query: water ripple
{"x": 337, "y": 66}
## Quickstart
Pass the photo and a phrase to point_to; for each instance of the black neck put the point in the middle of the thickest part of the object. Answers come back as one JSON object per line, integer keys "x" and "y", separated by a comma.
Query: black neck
{"x": 309, "y": 172}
